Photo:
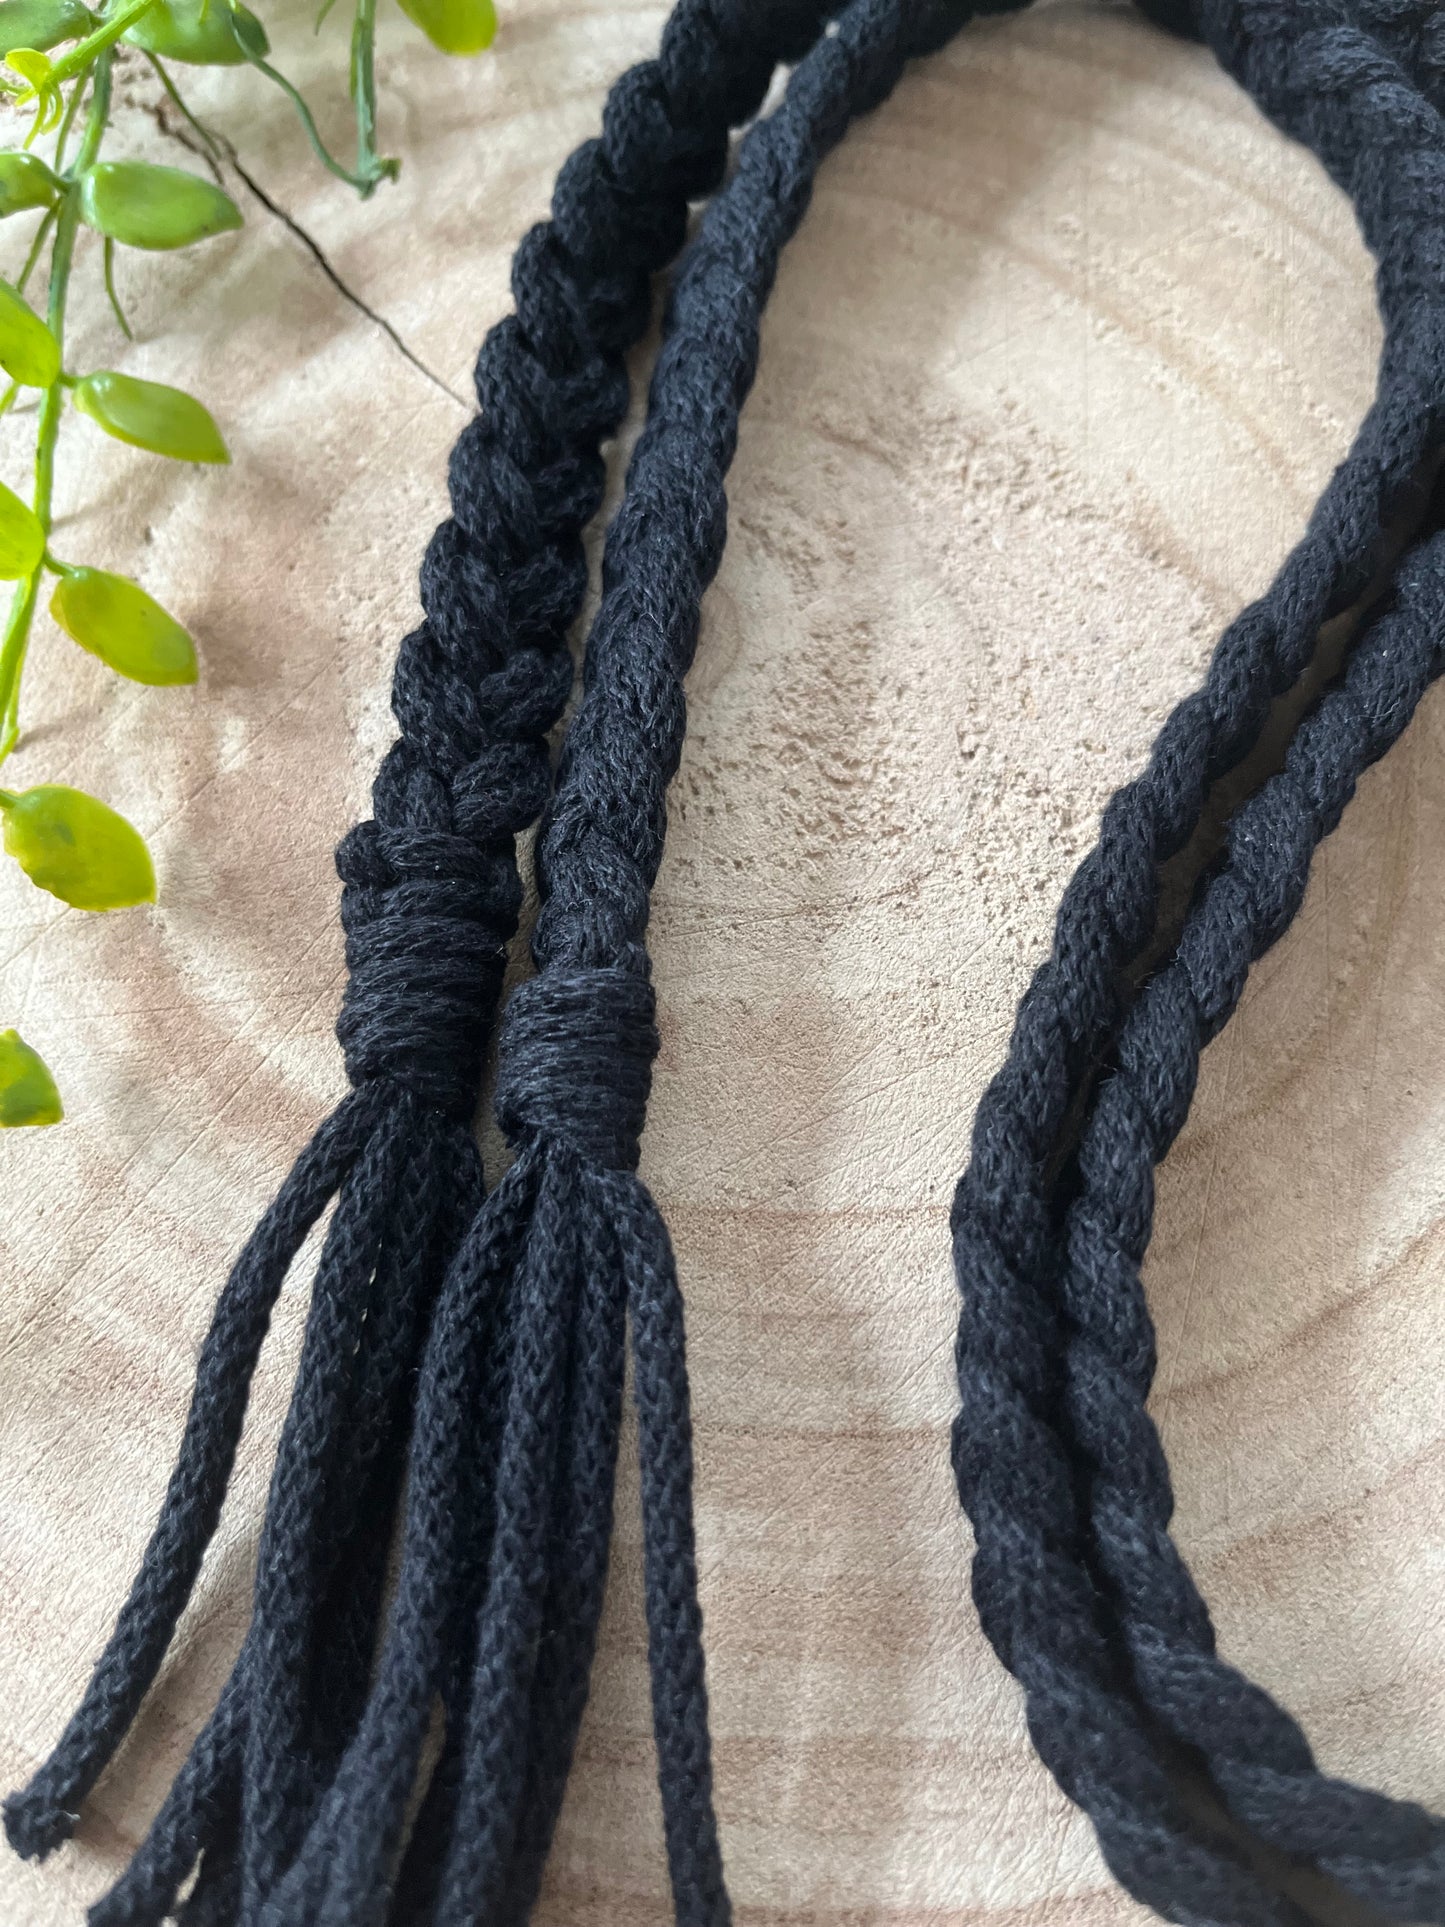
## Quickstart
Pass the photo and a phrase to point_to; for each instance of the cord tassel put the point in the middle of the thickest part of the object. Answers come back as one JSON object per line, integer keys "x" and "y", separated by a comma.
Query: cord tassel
{"x": 358, "y": 1262}
{"x": 342, "y": 1872}
{"x": 44, "y": 1813}
{"x": 203, "y": 1810}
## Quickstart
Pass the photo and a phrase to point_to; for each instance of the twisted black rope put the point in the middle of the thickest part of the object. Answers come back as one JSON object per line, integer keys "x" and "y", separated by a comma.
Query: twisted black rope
{"x": 1391, "y": 1854}
{"x": 1016, "y": 1456}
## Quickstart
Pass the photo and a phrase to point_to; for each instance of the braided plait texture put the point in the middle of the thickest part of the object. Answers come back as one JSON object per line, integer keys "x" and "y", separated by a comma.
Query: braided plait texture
{"x": 431, "y": 886}
{"x": 1388, "y": 1853}
{"x": 1336, "y": 88}
{"x": 1413, "y": 33}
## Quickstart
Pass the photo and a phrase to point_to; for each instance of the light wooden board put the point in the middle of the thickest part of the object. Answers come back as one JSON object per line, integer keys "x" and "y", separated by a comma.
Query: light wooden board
{"x": 1067, "y": 346}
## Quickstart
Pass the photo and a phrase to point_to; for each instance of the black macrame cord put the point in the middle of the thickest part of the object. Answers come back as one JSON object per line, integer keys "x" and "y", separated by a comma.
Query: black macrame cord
{"x": 462, "y": 1366}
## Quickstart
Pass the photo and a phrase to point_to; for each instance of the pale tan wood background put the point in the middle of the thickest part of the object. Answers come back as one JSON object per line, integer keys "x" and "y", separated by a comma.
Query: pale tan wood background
{"x": 1067, "y": 346}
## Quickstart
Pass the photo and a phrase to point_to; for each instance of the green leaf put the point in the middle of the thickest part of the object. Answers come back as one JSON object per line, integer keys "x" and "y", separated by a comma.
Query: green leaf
{"x": 25, "y": 182}
{"x": 454, "y": 26}
{"x": 207, "y": 33}
{"x": 42, "y": 24}
{"x": 148, "y": 414}
{"x": 115, "y": 619}
{"x": 38, "y": 72}
{"x": 27, "y": 1090}
{"x": 22, "y": 539}
{"x": 77, "y": 848}
{"x": 29, "y": 353}
{"x": 142, "y": 205}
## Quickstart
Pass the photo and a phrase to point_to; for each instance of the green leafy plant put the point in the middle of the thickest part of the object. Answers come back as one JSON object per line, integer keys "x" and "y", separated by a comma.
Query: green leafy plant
{"x": 67, "y": 842}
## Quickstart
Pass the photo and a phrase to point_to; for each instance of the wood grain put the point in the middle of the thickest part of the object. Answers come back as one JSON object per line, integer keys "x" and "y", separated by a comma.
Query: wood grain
{"x": 1067, "y": 346}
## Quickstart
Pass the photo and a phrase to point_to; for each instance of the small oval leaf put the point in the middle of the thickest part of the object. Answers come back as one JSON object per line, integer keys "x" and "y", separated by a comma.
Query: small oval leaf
{"x": 115, "y": 619}
{"x": 148, "y": 414}
{"x": 78, "y": 849}
{"x": 207, "y": 33}
{"x": 143, "y": 205}
{"x": 454, "y": 26}
{"x": 42, "y": 24}
{"x": 27, "y": 1090}
{"x": 26, "y": 182}
{"x": 22, "y": 539}
{"x": 29, "y": 353}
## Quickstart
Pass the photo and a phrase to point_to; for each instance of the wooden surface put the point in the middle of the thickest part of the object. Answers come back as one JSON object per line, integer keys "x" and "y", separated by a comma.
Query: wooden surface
{"x": 1068, "y": 344}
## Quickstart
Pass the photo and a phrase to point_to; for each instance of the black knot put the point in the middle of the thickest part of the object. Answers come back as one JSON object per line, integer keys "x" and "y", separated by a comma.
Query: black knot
{"x": 1176, "y": 16}
{"x": 575, "y": 1062}
{"x": 426, "y": 932}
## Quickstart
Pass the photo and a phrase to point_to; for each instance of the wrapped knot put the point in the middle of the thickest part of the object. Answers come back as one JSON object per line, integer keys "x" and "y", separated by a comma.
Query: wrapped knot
{"x": 426, "y": 931}
{"x": 575, "y": 1062}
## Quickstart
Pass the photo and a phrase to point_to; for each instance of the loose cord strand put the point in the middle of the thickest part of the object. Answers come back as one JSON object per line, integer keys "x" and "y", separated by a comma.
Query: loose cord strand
{"x": 38, "y": 1819}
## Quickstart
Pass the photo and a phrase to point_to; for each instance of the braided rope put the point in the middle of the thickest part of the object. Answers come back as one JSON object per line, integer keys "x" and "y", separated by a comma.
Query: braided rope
{"x": 573, "y": 1075}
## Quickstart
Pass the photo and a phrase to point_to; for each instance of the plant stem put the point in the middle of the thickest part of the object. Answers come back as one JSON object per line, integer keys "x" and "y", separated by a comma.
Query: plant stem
{"x": 67, "y": 121}
{"x": 370, "y": 166}
{"x": 85, "y": 51}
{"x": 22, "y": 610}
{"x": 36, "y": 246}
{"x": 362, "y": 181}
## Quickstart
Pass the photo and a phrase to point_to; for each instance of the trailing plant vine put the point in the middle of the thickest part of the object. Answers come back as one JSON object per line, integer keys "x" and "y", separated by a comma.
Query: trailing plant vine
{"x": 58, "y": 58}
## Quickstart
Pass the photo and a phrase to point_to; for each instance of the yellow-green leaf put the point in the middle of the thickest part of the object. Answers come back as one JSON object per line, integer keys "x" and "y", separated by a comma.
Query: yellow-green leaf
{"x": 25, "y": 182}
{"x": 22, "y": 540}
{"x": 207, "y": 33}
{"x": 42, "y": 23}
{"x": 37, "y": 70}
{"x": 115, "y": 619}
{"x": 148, "y": 414}
{"x": 143, "y": 205}
{"x": 454, "y": 26}
{"x": 77, "y": 848}
{"x": 29, "y": 353}
{"x": 27, "y": 1090}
